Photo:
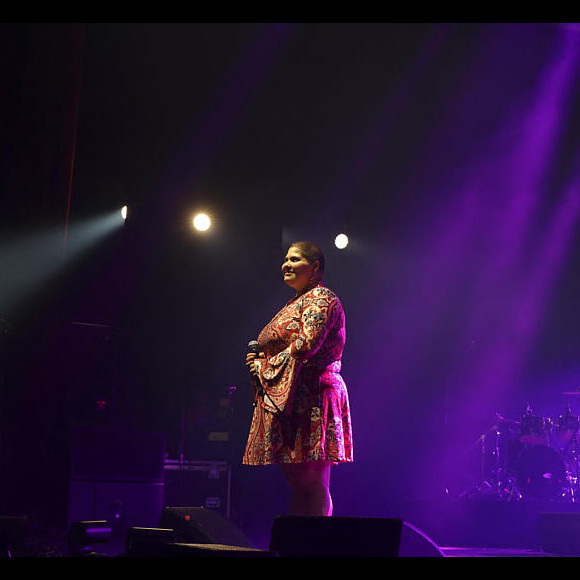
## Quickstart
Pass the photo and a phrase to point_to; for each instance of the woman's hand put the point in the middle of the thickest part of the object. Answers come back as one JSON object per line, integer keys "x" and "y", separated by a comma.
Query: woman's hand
{"x": 250, "y": 362}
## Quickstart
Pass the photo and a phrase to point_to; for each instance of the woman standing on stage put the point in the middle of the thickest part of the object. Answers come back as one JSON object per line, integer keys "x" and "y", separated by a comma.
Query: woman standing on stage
{"x": 302, "y": 417}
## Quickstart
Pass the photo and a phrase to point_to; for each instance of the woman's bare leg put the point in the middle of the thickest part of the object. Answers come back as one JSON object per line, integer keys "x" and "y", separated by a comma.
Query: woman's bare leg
{"x": 309, "y": 488}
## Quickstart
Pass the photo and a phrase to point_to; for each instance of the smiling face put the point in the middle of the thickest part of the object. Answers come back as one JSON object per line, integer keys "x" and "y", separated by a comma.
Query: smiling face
{"x": 298, "y": 272}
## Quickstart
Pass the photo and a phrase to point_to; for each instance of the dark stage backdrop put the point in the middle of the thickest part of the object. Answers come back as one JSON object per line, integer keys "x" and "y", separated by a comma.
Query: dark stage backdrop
{"x": 447, "y": 152}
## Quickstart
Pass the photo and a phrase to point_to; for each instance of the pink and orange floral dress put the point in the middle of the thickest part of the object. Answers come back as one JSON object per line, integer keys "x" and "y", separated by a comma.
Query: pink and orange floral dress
{"x": 303, "y": 413}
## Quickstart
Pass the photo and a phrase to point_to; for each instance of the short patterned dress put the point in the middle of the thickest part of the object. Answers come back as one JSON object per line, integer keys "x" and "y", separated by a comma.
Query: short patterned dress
{"x": 302, "y": 413}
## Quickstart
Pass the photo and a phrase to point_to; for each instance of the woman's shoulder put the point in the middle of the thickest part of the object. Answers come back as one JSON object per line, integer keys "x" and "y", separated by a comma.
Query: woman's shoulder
{"x": 322, "y": 292}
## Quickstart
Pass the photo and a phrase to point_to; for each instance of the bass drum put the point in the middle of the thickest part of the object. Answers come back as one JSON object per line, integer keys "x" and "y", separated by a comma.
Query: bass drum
{"x": 535, "y": 430}
{"x": 566, "y": 428}
{"x": 540, "y": 473}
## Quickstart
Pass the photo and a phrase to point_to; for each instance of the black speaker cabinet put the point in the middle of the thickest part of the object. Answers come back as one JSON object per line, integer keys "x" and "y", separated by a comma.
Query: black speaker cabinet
{"x": 116, "y": 475}
{"x": 198, "y": 483}
{"x": 122, "y": 504}
{"x": 198, "y": 525}
{"x": 303, "y": 536}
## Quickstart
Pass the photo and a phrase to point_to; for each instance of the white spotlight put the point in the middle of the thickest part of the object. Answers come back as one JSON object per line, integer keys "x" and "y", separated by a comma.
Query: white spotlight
{"x": 201, "y": 222}
{"x": 341, "y": 241}
{"x": 124, "y": 211}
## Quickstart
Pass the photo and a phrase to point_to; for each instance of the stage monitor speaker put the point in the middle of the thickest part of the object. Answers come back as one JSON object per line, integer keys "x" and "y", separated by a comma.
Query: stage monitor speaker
{"x": 304, "y": 536}
{"x": 154, "y": 543}
{"x": 213, "y": 551}
{"x": 559, "y": 533}
{"x": 198, "y": 525}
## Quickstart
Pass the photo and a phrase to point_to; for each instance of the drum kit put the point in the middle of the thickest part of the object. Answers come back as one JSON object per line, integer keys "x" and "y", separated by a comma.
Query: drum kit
{"x": 533, "y": 458}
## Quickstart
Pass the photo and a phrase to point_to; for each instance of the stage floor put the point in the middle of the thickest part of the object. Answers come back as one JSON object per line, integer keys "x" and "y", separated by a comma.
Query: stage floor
{"x": 497, "y": 528}
{"x": 470, "y": 529}
{"x": 56, "y": 546}
{"x": 493, "y": 553}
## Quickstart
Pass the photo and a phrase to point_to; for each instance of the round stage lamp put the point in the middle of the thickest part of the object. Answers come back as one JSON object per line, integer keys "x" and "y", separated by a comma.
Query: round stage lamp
{"x": 341, "y": 241}
{"x": 201, "y": 222}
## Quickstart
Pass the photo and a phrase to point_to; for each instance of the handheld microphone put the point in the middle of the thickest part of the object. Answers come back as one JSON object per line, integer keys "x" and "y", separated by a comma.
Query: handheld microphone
{"x": 254, "y": 347}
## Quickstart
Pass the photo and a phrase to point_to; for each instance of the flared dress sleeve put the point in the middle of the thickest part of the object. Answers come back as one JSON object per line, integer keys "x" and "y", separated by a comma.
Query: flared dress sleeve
{"x": 293, "y": 338}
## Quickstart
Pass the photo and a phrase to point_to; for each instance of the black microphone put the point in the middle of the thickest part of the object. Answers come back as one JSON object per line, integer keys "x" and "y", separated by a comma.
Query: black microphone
{"x": 254, "y": 347}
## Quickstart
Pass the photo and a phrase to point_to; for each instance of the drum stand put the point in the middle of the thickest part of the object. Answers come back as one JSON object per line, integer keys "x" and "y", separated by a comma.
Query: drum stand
{"x": 499, "y": 484}
{"x": 547, "y": 460}
{"x": 570, "y": 455}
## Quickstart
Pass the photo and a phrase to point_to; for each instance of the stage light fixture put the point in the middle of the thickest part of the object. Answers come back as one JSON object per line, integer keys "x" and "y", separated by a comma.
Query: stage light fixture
{"x": 142, "y": 542}
{"x": 201, "y": 222}
{"x": 341, "y": 241}
{"x": 124, "y": 211}
{"x": 83, "y": 535}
